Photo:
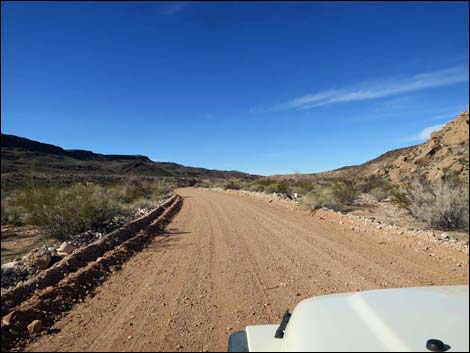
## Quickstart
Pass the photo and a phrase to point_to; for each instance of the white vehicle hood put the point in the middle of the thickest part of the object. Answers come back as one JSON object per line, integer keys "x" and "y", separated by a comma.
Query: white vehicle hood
{"x": 378, "y": 320}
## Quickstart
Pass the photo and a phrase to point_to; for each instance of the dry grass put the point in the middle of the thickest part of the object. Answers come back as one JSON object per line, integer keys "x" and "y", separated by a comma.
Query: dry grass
{"x": 441, "y": 205}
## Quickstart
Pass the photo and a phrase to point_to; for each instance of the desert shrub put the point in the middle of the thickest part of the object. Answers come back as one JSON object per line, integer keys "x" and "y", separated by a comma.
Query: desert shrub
{"x": 268, "y": 185}
{"x": 254, "y": 186}
{"x": 278, "y": 187}
{"x": 232, "y": 185}
{"x": 160, "y": 187}
{"x": 302, "y": 188}
{"x": 442, "y": 204}
{"x": 139, "y": 203}
{"x": 336, "y": 195}
{"x": 11, "y": 214}
{"x": 380, "y": 193}
{"x": 401, "y": 196}
{"x": 65, "y": 212}
{"x": 376, "y": 186}
{"x": 136, "y": 188}
{"x": 370, "y": 183}
{"x": 345, "y": 192}
{"x": 321, "y": 197}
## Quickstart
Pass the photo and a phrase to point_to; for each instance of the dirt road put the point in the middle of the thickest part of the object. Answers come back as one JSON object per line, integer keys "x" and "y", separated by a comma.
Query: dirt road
{"x": 226, "y": 262}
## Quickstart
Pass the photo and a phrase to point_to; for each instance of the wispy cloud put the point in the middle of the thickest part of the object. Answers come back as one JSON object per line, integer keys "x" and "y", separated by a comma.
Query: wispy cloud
{"x": 173, "y": 7}
{"x": 424, "y": 134}
{"x": 377, "y": 89}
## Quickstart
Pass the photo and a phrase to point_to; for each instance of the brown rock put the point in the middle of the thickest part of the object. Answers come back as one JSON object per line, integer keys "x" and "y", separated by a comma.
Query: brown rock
{"x": 39, "y": 258}
{"x": 35, "y": 327}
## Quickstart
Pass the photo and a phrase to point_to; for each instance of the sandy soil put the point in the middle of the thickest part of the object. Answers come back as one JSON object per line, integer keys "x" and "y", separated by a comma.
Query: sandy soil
{"x": 226, "y": 262}
{"x": 19, "y": 240}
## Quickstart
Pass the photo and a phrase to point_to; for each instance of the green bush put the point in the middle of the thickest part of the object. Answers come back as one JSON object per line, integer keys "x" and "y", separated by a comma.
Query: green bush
{"x": 345, "y": 192}
{"x": 376, "y": 186}
{"x": 372, "y": 182}
{"x": 136, "y": 188}
{"x": 66, "y": 212}
{"x": 321, "y": 197}
{"x": 302, "y": 188}
{"x": 401, "y": 196}
{"x": 379, "y": 193}
{"x": 11, "y": 214}
{"x": 232, "y": 186}
{"x": 280, "y": 187}
{"x": 337, "y": 195}
{"x": 160, "y": 187}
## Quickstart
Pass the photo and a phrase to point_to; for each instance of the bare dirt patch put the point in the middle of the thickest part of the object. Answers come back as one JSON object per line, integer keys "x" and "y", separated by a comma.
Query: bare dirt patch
{"x": 19, "y": 240}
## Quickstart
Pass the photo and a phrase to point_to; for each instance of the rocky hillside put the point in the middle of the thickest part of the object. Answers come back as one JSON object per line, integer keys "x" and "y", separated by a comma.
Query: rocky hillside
{"x": 370, "y": 167}
{"x": 25, "y": 161}
{"x": 445, "y": 151}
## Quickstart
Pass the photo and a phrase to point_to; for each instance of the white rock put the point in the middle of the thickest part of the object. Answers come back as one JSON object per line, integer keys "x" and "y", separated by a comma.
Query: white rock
{"x": 66, "y": 248}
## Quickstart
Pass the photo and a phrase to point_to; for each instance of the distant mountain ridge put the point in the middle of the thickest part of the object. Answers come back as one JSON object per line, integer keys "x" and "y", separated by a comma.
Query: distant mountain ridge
{"x": 23, "y": 158}
{"x": 12, "y": 141}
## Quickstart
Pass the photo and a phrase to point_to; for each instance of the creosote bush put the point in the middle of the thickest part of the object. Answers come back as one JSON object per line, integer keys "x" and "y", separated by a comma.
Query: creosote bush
{"x": 11, "y": 213}
{"x": 233, "y": 185}
{"x": 379, "y": 193}
{"x": 376, "y": 186}
{"x": 442, "y": 204}
{"x": 268, "y": 186}
{"x": 64, "y": 212}
{"x": 68, "y": 211}
{"x": 345, "y": 192}
{"x": 337, "y": 195}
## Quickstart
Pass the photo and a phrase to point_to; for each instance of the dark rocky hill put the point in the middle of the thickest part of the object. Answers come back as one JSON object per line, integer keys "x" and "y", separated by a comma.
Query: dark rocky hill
{"x": 26, "y": 161}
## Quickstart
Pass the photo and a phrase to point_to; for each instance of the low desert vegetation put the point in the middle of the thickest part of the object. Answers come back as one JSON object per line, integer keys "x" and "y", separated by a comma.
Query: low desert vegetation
{"x": 66, "y": 211}
{"x": 379, "y": 188}
{"x": 268, "y": 186}
{"x": 336, "y": 195}
{"x": 442, "y": 204}
{"x": 233, "y": 185}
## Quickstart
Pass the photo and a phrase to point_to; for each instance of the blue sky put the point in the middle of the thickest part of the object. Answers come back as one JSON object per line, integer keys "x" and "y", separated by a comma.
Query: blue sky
{"x": 265, "y": 88}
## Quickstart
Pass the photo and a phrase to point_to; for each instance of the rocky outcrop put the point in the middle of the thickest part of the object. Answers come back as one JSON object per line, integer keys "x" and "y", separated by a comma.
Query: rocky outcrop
{"x": 445, "y": 152}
